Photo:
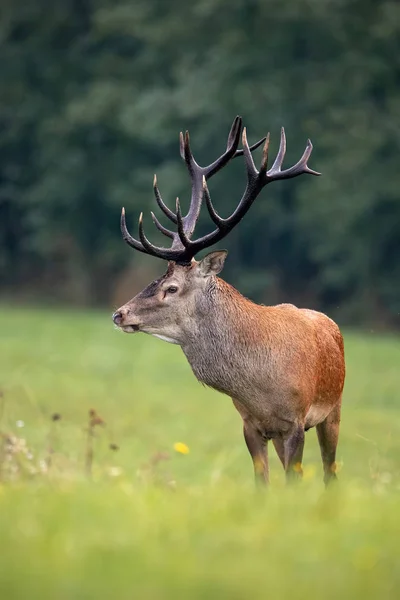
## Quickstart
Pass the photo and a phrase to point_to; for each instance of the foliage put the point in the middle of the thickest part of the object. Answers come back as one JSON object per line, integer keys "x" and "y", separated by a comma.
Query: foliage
{"x": 95, "y": 92}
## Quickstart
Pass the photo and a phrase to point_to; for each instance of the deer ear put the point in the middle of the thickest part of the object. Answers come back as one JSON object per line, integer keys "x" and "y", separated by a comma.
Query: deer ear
{"x": 213, "y": 263}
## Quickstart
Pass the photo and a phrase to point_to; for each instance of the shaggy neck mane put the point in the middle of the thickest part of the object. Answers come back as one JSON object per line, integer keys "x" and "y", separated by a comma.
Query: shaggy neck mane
{"x": 226, "y": 315}
{"x": 227, "y": 299}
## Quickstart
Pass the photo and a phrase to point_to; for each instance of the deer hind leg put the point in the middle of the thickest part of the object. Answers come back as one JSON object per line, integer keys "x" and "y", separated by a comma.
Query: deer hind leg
{"x": 328, "y": 434}
{"x": 280, "y": 449}
{"x": 293, "y": 445}
{"x": 258, "y": 451}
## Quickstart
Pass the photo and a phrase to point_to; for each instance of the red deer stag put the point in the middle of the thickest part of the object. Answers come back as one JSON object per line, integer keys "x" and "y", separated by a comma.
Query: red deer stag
{"x": 282, "y": 366}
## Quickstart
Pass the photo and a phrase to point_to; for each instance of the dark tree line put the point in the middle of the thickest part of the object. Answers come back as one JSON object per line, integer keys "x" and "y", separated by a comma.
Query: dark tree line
{"x": 95, "y": 92}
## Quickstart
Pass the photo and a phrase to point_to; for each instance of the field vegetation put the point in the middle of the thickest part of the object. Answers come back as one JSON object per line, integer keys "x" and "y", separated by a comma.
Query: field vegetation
{"x": 121, "y": 476}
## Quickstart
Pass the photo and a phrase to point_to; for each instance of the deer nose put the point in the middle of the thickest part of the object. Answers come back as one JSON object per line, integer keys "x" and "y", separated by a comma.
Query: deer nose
{"x": 118, "y": 317}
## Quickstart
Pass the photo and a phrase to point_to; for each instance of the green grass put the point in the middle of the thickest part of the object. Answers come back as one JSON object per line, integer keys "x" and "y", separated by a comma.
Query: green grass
{"x": 153, "y": 523}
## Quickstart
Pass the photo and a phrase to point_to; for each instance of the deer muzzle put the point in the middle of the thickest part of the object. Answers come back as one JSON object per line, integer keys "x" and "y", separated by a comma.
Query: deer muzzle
{"x": 120, "y": 319}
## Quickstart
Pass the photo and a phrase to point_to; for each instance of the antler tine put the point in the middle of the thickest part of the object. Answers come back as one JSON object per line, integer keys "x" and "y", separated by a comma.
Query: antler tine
{"x": 171, "y": 216}
{"x": 298, "y": 169}
{"x": 181, "y": 228}
{"x": 159, "y": 252}
{"x": 147, "y": 245}
{"x": 177, "y": 254}
{"x": 186, "y": 153}
{"x": 301, "y": 166}
{"x": 235, "y": 130}
{"x": 127, "y": 236}
{"x": 264, "y": 160}
{"x": 230, "y": 152}
{"x": 276, "y": 167}
{"x": 161, "y": 227}
{"x": 181, "y": 145}
{"x": 252, "y": 172}
{"x": 212, "y": 212}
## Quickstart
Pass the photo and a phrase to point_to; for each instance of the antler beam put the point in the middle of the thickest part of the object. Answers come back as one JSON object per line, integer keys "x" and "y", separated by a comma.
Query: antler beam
{"x": 183, "y": 248}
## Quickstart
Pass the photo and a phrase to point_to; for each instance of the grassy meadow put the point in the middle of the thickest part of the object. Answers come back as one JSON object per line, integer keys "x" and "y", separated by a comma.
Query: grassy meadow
{"x": 151, "y": 495}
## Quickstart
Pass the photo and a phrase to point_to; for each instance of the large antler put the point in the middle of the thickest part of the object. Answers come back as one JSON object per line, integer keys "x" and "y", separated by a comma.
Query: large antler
{"x": 183, "y": 249}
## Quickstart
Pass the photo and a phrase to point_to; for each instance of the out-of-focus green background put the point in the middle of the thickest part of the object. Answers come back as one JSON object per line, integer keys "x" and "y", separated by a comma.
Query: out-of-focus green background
{"x": 120, "y": 476}
{"x": 95, "y": 92}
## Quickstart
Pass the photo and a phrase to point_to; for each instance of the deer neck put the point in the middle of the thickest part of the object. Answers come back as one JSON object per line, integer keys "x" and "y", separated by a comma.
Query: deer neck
{"x": 223, "y": 335}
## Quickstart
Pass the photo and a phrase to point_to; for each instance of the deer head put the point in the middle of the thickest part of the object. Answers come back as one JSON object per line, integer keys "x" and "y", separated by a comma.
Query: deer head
{"x": 169, "y": 306}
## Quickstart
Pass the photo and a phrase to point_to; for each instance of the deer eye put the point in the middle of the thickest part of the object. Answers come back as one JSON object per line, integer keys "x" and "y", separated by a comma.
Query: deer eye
{"x": 172, "y": 289}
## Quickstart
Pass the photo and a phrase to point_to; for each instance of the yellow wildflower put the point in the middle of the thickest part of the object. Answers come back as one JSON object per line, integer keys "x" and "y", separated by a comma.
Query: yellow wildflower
{"x": 181, "y": 448}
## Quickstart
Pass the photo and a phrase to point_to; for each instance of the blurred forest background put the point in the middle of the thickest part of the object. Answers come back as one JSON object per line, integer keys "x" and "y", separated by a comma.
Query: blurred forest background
{"x": 95, "y": 92}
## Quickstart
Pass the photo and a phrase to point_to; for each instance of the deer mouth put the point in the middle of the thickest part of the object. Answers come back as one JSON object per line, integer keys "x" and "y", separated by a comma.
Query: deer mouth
{"x": 130, "y": 328}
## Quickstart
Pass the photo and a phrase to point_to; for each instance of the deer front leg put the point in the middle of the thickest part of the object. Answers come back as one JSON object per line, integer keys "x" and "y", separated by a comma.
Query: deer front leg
{"x": 255, "y": 444}
{"x": 259, "y": 453}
